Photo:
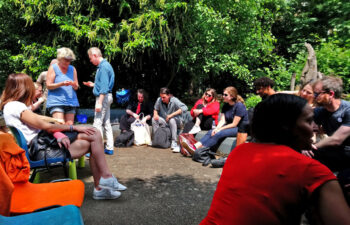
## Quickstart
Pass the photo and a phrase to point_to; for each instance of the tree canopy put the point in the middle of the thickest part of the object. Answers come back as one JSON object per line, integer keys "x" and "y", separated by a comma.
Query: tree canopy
{"x": 185, "y": 45}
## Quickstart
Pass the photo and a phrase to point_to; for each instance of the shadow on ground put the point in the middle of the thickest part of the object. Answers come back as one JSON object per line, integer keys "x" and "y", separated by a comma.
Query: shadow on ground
{"x": 163, "y": 188}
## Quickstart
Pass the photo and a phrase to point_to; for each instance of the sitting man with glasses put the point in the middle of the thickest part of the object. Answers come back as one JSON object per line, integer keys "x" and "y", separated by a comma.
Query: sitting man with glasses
{"x": 333, "y": 114}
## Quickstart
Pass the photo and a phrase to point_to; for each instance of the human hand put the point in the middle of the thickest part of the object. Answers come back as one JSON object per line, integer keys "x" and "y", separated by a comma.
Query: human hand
{"x": 66, "y": 83}
{"x": 98, "y": 107}
{"x": 144, "y": 120}
{"x": 88, "y": 83}
{"x": 309, "y": 153}
{"x": 168, "y": 117}
{"x": 196, "y": 112}
{"x": 85, "y": 129}
{"x": 156, "y": 117}
{"x": 64, "y": 141}
{"x": 136, "y": 116}
{"x": 58, "y": 121}
{"x": 215, "y": 131}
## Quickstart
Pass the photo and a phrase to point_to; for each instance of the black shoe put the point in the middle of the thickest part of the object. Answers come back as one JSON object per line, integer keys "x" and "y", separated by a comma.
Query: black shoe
{"x": 218, "y": 163}
{"x": 206, "y": 162}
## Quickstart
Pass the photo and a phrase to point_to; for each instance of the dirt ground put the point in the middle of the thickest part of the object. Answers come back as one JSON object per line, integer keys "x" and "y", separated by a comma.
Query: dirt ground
{"x": 163, "y": 188}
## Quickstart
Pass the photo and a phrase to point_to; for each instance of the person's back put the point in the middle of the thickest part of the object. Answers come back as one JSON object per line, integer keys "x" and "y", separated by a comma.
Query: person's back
{"x": 257, "y": 187}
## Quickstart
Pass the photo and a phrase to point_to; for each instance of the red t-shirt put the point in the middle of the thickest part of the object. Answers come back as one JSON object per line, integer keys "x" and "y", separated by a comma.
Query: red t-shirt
{"x": 265, "y": 184}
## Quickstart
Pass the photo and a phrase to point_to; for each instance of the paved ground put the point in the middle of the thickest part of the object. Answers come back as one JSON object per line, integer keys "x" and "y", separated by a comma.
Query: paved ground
{"x": 163, "y": 188}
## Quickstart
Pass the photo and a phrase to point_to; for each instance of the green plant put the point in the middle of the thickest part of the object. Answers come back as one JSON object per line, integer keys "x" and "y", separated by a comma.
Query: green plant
{"x": 252, "y": 100}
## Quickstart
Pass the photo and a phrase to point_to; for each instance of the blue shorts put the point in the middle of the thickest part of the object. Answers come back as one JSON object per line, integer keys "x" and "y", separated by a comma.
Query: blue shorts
{"x": 63, "y": 109}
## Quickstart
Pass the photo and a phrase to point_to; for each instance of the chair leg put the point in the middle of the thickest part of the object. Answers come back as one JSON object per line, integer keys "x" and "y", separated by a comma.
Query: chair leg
{"x": 72, "y": 170}
{"x": 35, "y": 177}
{"x": 81, "y": 162}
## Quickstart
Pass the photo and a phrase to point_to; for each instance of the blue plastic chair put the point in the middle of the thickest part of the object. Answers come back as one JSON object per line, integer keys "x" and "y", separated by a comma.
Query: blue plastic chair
{"x": 41, "y": 164}
{"x": 67, "y": 215}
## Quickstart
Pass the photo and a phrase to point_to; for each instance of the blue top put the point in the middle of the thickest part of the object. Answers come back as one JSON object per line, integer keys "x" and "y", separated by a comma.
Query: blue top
{"x": 64, "y": 95}
{"x": 104, "y": 80}
{"x": 331, "y": 121}
{"x": 238, "y": 109}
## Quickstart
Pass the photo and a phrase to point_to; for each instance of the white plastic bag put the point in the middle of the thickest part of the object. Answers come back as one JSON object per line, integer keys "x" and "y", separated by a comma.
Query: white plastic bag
{"x": 141, "y": 133}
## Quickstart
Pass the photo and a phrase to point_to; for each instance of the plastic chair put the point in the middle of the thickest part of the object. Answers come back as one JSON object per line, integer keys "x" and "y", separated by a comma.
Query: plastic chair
{"x": 40, "y": 164}
{"x": 28, "y": 197}
{"x": 67, "y": 215}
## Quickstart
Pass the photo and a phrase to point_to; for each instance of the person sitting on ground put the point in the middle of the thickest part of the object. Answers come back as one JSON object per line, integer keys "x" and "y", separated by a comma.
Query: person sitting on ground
{"x": 62, "y": 82}
{"x": 264, "y": 87}
{"x": 135, "y": 109}
{"x": 270, "y": 182}
{"x": 234, "y": 118}
{"x": 333, "y": 114}
{"x": 18, "y": 95}
{"x": 204, "y": 113}
{"x": 168, "y": 110}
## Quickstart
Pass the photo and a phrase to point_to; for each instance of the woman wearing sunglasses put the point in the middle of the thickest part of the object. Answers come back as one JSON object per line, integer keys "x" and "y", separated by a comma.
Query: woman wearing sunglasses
{"x": 234, "y": 118}
{"x": 204, "y": 112}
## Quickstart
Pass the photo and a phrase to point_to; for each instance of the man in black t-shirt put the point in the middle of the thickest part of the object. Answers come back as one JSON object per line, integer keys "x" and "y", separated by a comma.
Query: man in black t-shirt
{"x": 334, "y": 117}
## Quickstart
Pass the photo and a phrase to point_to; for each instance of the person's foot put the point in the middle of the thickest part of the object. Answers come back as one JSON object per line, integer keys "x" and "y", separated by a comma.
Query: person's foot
{"x": 174, "y": 144}
{"x": 188, "y": 146}
{"x": 111, "y": 183}
{"x": 195, "y": 129}
{"x": 109, "y": 152}
{"x": 176, "y": 149}
{"x": 105, "y": 194}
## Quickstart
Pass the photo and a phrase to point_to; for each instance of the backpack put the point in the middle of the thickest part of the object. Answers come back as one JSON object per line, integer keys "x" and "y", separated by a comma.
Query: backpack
{"x": 125, "y": 139}
{"x": 162, "y": 138}
{"x": 123, "y": 96}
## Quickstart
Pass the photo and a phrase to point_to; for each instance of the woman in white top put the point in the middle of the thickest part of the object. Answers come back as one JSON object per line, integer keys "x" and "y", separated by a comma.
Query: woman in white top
{"x": 18, "y": 95}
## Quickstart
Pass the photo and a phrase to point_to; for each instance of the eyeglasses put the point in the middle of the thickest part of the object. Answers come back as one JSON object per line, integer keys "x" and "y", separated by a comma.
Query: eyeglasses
{"x": 209, "y": 95}
{"x": 225, "y": 95}
{"x": 317, "y": 94}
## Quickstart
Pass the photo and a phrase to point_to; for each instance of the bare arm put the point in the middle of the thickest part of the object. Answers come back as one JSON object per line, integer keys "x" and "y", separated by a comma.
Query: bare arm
{"x": 336, "y": 139}
{"x": 234, "y": 123}
{"x": 75, "y": 83}
{"x": 331, "y": 206}
{"x": 99, "y": 102}
{"x": 155, "y": 115}
{"x": 177, "y": 112}
{"x": 50, "y": 80}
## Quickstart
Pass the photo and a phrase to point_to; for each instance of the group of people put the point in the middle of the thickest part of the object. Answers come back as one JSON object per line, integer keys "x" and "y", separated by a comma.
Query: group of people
{"x": 275, "y": 178}
{"x": 62, "y": 83}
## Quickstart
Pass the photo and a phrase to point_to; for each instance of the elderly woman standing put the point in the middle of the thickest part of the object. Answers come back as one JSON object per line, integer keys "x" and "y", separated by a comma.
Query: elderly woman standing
{"x": 62, "y": 82}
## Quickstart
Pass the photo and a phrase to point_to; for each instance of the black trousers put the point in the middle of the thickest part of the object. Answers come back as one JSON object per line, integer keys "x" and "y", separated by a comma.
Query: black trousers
{"x": 206, "y": 122}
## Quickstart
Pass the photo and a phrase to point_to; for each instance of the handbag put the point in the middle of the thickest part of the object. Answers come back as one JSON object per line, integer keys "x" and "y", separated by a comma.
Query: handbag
{"x": 142, "y": 134}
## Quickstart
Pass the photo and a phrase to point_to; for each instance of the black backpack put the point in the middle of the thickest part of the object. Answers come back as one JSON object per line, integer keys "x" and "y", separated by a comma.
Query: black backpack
{"x": 125, "y": 139}
{"x": 162, "y": 138}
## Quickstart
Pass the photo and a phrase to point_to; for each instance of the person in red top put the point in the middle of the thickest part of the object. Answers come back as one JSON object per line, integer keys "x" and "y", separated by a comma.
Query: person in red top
{"x": 204, "y": 112}
{"x": 270, "y": 182}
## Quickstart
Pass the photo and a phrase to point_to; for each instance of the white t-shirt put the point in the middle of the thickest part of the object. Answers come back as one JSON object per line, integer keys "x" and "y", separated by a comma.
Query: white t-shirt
{"x": 12, "y": 115}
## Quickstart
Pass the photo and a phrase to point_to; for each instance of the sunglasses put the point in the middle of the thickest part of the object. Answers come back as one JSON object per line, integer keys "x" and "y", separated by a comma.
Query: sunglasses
{"x": 225, "y": 95}
{"x": 209, "y": 95}
{"x": 317, "y": 94}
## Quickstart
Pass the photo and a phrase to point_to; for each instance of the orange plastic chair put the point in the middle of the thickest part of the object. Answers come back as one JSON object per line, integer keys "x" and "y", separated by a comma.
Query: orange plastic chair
{"x": 28, "y": 197}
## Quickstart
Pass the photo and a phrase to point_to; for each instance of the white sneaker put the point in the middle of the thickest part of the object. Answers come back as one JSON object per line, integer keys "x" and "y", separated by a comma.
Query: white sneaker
{"x": 195, "y": 129}
{"x": 111, "y": 183}
{"x": 105, "y": 194}
{"x": 176, "y": 149}
{"x": 173, "y": 145}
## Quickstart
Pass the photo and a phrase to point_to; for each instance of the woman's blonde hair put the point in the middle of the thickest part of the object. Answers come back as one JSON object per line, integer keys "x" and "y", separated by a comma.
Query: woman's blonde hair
{"x": 18, "y": 87}
{"x": 213, "y": 93}
{"x": 65, "y": 53}
{"x": 234, "y": 94}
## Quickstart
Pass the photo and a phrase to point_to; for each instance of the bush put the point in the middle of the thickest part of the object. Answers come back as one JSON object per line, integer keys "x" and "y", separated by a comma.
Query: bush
{"x": 252, "y": 101}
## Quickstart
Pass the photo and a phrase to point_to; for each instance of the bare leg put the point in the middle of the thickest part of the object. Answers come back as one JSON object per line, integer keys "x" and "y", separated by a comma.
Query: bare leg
{"x": 58, "y": 115}
{"x": 198, "y": 122}
{"x": 69, "y": 118}
{"x": 198, "y": 144}
{"x": 241, "y": 138}
{"x": 94, "y": 143}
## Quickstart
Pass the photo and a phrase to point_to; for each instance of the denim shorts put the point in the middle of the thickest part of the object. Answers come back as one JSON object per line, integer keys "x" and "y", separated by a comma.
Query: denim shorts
{"x": 63, "y": 109}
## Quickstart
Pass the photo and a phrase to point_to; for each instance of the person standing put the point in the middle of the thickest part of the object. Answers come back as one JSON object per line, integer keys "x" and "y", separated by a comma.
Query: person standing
{"x": 62, "y": 83}
{"x": 102, "y": 89}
